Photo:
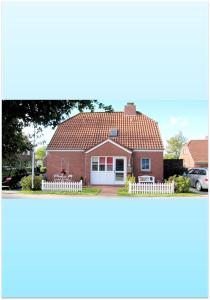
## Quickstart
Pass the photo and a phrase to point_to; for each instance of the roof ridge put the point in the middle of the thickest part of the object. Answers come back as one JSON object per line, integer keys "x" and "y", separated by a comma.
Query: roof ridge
{"x": 111, "y": 112}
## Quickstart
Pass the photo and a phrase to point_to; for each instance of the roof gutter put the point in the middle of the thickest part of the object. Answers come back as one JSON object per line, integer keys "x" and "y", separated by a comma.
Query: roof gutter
{"x": 65, "y": 150}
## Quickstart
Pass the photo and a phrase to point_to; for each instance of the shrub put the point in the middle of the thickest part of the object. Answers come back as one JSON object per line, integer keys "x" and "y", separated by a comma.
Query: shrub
{"x": 131, "y": 179}
{"x": 43, "y": 170}
{"x": 182, "y": 183}
{"x": 26, "y": 183}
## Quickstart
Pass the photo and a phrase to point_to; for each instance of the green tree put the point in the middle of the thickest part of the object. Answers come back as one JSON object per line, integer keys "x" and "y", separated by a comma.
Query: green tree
{"x": 174, "y": 146}
{"x": 16, "y": 114}
{"x": 14, "y": 142}
{"x": 40, "y": 154}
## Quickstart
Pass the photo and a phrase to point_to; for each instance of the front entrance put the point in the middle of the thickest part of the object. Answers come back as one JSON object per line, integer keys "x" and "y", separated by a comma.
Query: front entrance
{"x": 108, "y": 170}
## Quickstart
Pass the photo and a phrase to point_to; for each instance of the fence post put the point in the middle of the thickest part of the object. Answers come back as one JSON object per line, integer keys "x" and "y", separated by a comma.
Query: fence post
{"x": 42, "y": 185}
{"x": 129, "y": 187}
{"x": 173, "y": 187}
{"x": 81, "y": 185}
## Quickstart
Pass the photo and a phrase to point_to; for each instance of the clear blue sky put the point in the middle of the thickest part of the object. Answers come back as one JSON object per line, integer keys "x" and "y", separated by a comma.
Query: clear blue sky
{"x": 154, "y": 54}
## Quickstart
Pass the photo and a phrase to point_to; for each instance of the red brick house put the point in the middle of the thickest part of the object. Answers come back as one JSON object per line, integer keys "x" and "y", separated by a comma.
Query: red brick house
{"x": 195, "y": 154}
{"x": 104, "y": 147}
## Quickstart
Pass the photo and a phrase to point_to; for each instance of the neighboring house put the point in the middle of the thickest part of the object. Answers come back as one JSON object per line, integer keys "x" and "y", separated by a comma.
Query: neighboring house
{"x": 103, "y": 147}
{"x": 25, "y": 157}
{"x": 195, "y": 154}
{"x": 24, "y": 160}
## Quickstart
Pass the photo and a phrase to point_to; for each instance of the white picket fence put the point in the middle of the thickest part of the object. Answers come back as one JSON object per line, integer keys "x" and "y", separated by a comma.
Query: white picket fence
{"x": 61, "y": 186}
{"x": 151, "y": 188}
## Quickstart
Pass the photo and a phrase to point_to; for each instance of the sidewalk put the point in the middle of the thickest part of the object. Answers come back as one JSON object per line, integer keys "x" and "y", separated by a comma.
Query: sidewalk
{"x": 106, "y": 191}
{"x": 18, "y": 195}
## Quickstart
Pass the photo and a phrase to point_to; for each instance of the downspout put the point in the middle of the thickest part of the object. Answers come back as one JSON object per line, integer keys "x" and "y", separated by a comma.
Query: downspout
{"x": 85, "y": 169}
{"x": 132, "y": 171}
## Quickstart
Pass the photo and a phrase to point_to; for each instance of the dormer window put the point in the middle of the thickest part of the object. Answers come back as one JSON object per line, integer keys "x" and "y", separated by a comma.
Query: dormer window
{"x": 113, "y": 132}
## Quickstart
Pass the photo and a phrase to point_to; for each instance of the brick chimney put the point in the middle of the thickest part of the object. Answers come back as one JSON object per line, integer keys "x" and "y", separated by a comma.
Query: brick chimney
{"x": 130, "y": 109}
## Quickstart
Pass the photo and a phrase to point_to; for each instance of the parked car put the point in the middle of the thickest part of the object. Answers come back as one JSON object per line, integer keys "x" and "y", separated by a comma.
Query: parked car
{"x": 13, "y": 181}
{"x": 198, "y": 178}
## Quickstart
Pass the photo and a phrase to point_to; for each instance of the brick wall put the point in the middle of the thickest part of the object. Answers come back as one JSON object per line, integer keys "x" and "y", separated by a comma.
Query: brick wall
{"x": 156, "y": 164}
{"x": 72, "y": 162}
{"x": 78, "y": 163}
{"x": 188, "y": 162}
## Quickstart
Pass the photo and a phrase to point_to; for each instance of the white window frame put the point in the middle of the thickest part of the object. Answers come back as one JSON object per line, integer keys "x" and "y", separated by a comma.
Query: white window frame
{"x": 109, "y": 164}
{"x": 145, "y": 170}
{"x": 98, "y": 157}
{"x": 105, "y": 165}
{"x": 92, "y": 164}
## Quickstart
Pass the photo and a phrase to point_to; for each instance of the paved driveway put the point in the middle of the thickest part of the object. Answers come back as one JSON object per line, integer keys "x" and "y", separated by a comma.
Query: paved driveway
{"x": 107, "y": 190}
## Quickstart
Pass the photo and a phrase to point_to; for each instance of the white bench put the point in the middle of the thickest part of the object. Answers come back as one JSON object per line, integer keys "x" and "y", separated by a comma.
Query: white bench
{"x": 58, "y": 177}
{"x": 146, "y": 179}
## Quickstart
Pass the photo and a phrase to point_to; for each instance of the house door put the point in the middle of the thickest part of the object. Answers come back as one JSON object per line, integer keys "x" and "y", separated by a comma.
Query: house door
{"x": 119, "y": 177}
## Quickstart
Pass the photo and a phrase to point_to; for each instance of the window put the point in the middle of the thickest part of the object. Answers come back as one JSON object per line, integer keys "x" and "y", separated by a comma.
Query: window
{"x": 119, "y": 164}
{"x": 101, "y": 163}
{"x": 119, "y": 176}
{"x": 113, "y": 132}
{"x": 202, "y": 172}
{"x": 94, "y": 163}
{"x": 145, "y": 164}
{"x": 194, "y": 172}
{"x": 184, "y": 150}
{"x": 109, "y": 163}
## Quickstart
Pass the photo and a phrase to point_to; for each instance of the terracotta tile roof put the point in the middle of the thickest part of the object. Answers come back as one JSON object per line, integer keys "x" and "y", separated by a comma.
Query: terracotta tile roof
{"x": 198, "y": 150}
{"x": 86, "y": 130}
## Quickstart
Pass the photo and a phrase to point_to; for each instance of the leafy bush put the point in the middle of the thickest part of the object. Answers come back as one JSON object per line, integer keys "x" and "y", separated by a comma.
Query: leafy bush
{"x": 131, "y": 179}
{"x": 43, "y": 170}
{"x": 26, "y": 183}
{"x": 182, "y": 183}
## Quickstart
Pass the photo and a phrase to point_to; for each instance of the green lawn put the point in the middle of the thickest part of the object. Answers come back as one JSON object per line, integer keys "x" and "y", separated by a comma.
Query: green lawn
{"x": 124, "y": 192}
{"x": 85, "y": 191}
